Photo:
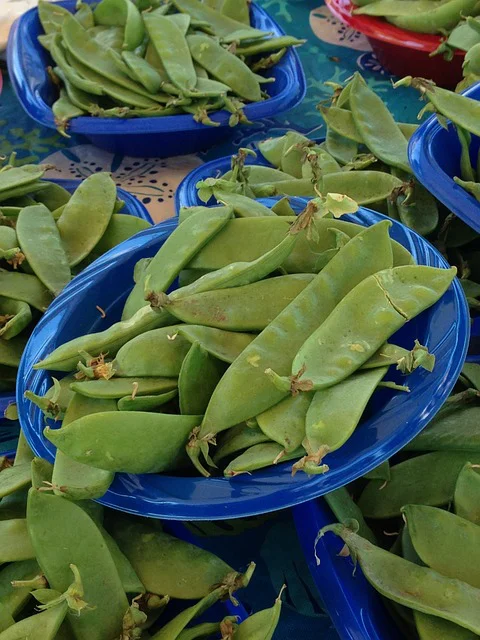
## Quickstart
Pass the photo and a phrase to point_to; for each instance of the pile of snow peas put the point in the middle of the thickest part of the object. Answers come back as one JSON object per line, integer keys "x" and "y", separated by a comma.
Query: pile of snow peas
{"x": 47, "y": 235}
{"x": 428, "y": 499}
{"x": 72, "y": 569}
{"x": 279, "y": 325}
{"x": 123, "y": 59}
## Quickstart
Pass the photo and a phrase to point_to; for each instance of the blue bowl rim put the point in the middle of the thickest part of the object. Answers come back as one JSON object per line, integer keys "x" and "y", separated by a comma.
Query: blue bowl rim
{"x": 37, "y": 109}
{"x": 284, "y": 491}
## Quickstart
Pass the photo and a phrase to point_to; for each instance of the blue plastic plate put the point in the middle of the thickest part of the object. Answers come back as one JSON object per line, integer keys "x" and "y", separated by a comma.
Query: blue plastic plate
{"x": 132, "y": 206}
{"x": 161, "y": 137}
{"x": 394, "y": 418}
{"x": 356, "y": 609}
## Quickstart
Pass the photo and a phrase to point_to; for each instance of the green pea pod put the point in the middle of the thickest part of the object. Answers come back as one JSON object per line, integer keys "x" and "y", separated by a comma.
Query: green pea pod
{"x": 467, "y": 493}
{"x": 427, "y": 479}
{"x": 145, "y": 403}
{"x": 238, "y": 439}
{"x": 63, "y": 111}
{"x": 86, "y": 216}
{"x": 272, "y": 150}
{"x": 261, "y": 625}
{"x": 341, "y": 148}
{"x": 123, "y": 13}
{"x": 70, "y": 478}
{"x": 118, "y": 387}
{"x": 341, "y": 121}
{"x": 223, "y": 345}
{"x": 107, "y": 37}
{"x": 58, "y": 55}
{"x": 243, "y": 207}
{"x": 207, "y": 629}
{"x": 159, "y": 352}
{"x": 276, "y": 346}
{"x": 142, "y": 72}
{"x": 260, "y": 456}
{"x": 84, "y": 15}
{"x": 52, "y": 518}
{"x": 294, "y": 148}
{"x": 166, "y": 564}
{"x": 224, "y": 66}
{"x": 418, "y": 588}
{"x": 283, "y": 208}
{"x": 285, "y": 422}
{"x": 454, "y": 430}
{"x": 198, "y": 378}
{"x": 364, "y": 187}
{"x": 14, "y": 478}
{"x": 65, "y": 357}
{"x": 158, "y": 438}
{"x": 267, "y": 45}
{"x": 471, "y": 187}
{"x": 11, "y": 350}
{"x": 54, "y": 196}
{"x": 41, "y": 473}
{"x": 472, "y": 372}
{"x": 15, "y": 315}
{"x": 247, "y": 308}
{"x": 440, "y": 17}
{"x": 466, "y": 168}
{"x": 172, "y": 49}
{"x": 130, "y": 580}
{"x": 239, "y": 11}
{"x": 42, "y": 626}
{"x": 396, "y": 295}
{"x": 15, "y": 598}
{"x": 302, "y": 187}
{"x": 387, "y": 8}
{"x": 175, "y": 253}
{"x": 6, "y": 619}
{"x": 433, "y": 628}
{"x": 382, "y": 472}
{"x": 51, "y": 16}
{"x": 16, "y": 544}
{"x": 421, "y": 214}
{"x": 23, "y": 454}
{"x": 344, "y": 509}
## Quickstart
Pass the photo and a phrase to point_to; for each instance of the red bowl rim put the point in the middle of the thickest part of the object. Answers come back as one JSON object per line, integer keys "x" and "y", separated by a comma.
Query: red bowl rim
{"x": 379, "y": 29}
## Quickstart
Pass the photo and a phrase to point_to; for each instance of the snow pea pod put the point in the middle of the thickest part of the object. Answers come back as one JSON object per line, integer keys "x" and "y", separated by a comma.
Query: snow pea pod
{"x": 53, "y": 197}
{"x": 384, "y": 302}
{"x": 364, "y": 187}
{"x": 438, "y": 18}
{"x": 439, "y": 536}
{"x": 260, "y": 456}
{"x": 41, "y": 243}
{"x": 107, "y": 37}
{"x": 14, "y": 599}
{"x": 341, "y": 148}
{"x": 14, "y": 478}
{"x": 11, "y": 350}
{"x": 118, "y": 387}
{"x": 145, "y": 403}
{"x": 302, "y": 187}
{"x": 238, "y": 439}
{"x": 206, "y": 629}
{"x": 177, "y": 251}
{"x": 342, "y": 122}
{"x": 272, "y": 149}
{"x": 247, "y": 308}
{"x": 428, "y": 479}
{"x": 276, "y": 346}
{"x": 344, "y": 509}
{"x": 223, "y": 345}
{"x": 63, "y": 111}
{"x": 386, "y": 8}
{"x": 433, "y": 628}
{"x": 142, "y": 72}
{"x": 52, "y": 518}
{"x": 154, "y": 353}
{"x": 41, "y": 473}
{"x": 267, "y": 45}
{"x": 166, "y": 564}
{"x": 408, "y": 584}
{"x": 105, "y": 440}
{"x": 16, "y": 544}
{"x": 243, "y": 206}
{"x": 15, "y": 315}
{"x": 293, "y": 151}
{"x": 452, "y": 431}
{"x": 122, "y": 13}
{"x": 421, "y": 214}
{"x": 172, "y": 49}
{"x": 262, "y": 624}
{"x": 70, "y": 73}
{"x": 466, "y": 498}
{"x": 237, "y": 10}
{"x": 41, "y": 626}
{"x": 16, "y": 177}
{"x": 6, "y": 620}
{"x": 86, "y": 216}
{"x": 51, "y": 16}
{"x": 198, "y": 378}
{"x": 285, "y": 422}
{"x": 130, "y": 581}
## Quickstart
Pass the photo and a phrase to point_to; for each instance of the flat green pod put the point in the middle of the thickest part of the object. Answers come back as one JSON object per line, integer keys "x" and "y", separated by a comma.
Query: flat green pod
{"x": 119, "y": 387}
{"x": 238, "y": 439}
{"x": 453, "y": 430}
{"x": 15, "y": 315}
{"x": 24, "y": 287}
{"x": 145, "y": 403}
{"x": 223, "y": 345}
{"x": 260, "y": 456}
{"x": 344, "y": 508}
{"x": 41, "y": 473}
{"x": 125, "y": 14}
{"x": 40, "y": 626}
{"x": 16, "y": 544}
{"x": 432, "y": 628}
{"x": 197, "y": 380}
{"x": 285, "y": 422}
{"x": 262, "y": 624}
{"x": 14, "y": 478}
{"x": 15, "y": 598}
{"x": 466, "y": 499}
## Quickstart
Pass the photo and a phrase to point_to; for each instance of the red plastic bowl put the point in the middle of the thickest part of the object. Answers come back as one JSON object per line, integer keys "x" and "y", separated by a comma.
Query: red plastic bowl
{"x": 399, "y": 51}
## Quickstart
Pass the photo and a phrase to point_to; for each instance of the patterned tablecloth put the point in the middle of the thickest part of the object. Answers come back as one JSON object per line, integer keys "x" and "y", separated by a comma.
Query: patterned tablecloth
{"x": 332, "y": 53}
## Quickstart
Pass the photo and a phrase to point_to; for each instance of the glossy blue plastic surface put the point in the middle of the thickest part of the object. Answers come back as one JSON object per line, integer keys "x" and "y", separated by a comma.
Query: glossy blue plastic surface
{"x": 132, "y": 206}
{"x": 150, "y": 137}
{"x": 9, "y": 431}
{"x": 392, "y": 419}
{"x": 356, "y": 609}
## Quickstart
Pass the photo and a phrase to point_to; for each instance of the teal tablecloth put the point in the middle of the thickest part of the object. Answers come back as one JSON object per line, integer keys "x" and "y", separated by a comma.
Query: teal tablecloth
{"x": 332, "y": 53}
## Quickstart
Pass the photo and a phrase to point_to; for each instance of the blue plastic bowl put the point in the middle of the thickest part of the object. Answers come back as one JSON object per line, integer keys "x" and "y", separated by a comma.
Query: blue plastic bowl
{"x": 132, "y": 206}
{"x": 394, "y": 418}
{"x": 149, "y": 137}
{"x": 356, "y": 609}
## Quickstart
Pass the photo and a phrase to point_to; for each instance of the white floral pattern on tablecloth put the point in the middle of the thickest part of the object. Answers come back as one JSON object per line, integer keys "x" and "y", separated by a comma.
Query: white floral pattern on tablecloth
{"x": 328, "y": 29}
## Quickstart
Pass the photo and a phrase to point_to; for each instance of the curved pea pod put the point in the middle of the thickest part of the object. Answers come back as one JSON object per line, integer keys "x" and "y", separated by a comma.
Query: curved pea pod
{"x": 130, "y": 581}
{"x": 14, "y": 478}
{"x": 65, "y": 357}
{"x": 122, "y": 13}
{"x": 15, "y": 598}
{"x": 427, "y": 479}
{"x": 223, "y": 345}
{"x": 198, "y": 378}
{"x": 433, "y": 628}
{"x": 333, "y": 415}
{"x": 339, "y": 147}
{"x": 285, "y": 422}
{"x": 445, "y": 542}
{"x": 383, "y": 302}
{"x": 63, "y": 111}
{"x": 70, "y": 478}
{"x": 243, "y": 207}
{"x": 418, "y": 588}
{"x": 54, "y": 196}
{"x": 455, "y": 430}
{"x": 262, "y": 624}
{"x": 145, "y": 403}
{"x": 301, "y": 187}
{"x": 75, "y": 78}
{"x": 272, "y": 150}
{"x": 247, "y": 308}
{"x": 382, "y": 472}
{"x": 166, "y": 564}
{"x": 172, "y": 49}
{"x": 51, "y": 16}
{"x": 23, "y": 453}
{"x": 208, "y": 629}
{"x": 260, "y": 456}
{"x": 364, "y": 187}
{"x": 471, "y": 371}
{"x": 40, "y": 241}
{"x": 276, "y": 346}
{"x": 56, "y": 399}
{"x": 159, "y": 352}
{"x": 142, "y": 72}
{"x": 41, "y": 473}
{"x": 15, "y": 315}
{"x": 294, "y": 149}
{"x": 52, "y": 518}
{"x": 105, "y": 440}
{"x": 86, "y": 216}
{"x": 283, "y": 208}
{"x": 41, "y": 626}
{"x": 177, "y": 251}
{"x": 224, "y": 66}
{"x": 406, "y": 361}
{"x": 376, "y": 125}
{"x": 344, "y": 509}
{"x": 16, "y": 544}
{"x": 24, "y": 287}
{"x": 6, "y": 619}
{"x": 238, "y": 439}
{"x": 118, "y": 387}
{"x": 422, "y": 214}
{"x": 341, "y": 121}
{"x": 443, "y": 16}
{"x": 11, "y": 350}
{"x": 466, "y": 498}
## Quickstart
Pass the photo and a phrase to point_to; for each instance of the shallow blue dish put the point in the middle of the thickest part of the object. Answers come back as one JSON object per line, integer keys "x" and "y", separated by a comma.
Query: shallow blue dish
{"x": 356, "y": 609}
{"x": 132, "y": 206}
{"x": 393, "y": 418}
{"x": 158, "y": 137}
